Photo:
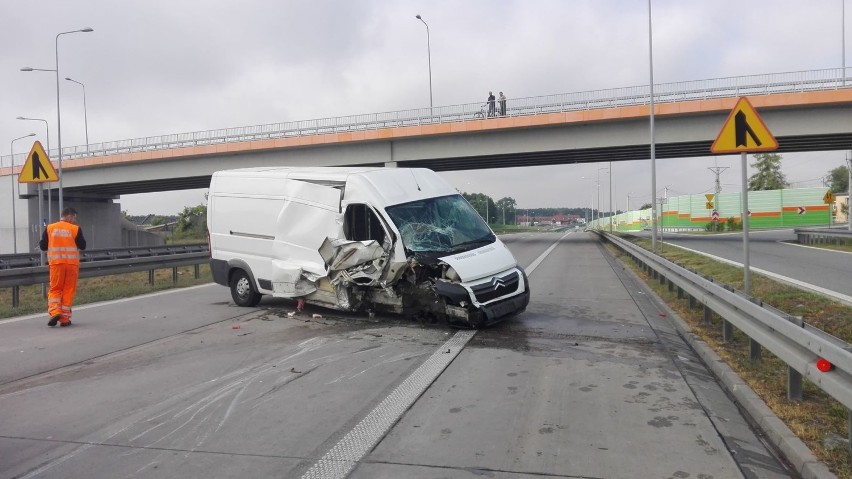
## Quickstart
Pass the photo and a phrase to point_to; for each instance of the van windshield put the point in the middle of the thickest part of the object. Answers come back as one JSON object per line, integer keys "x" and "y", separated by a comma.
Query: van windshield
{"x": 447, "y": 224}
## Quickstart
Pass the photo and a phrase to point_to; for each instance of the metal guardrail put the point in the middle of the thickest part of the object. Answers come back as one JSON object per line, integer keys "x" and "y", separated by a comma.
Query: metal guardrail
{"x": 798, "y": 344}
{"x": 26, "y": 260}
{"x": 823, "y": 236}
{"x": 765, "y": 84}
{"x": 108, "y": 262}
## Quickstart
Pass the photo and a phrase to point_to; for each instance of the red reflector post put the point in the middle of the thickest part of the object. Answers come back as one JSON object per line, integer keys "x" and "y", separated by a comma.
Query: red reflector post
{"x": 824, "y": 366}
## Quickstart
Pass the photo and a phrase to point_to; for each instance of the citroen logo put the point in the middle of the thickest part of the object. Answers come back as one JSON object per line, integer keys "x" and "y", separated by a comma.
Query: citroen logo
{"x": 497, "y": 283}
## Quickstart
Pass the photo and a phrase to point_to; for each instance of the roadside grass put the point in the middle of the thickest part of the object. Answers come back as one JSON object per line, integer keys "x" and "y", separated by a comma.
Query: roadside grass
{"x": 104, "y": 288}
{"x": 818, "y": 420}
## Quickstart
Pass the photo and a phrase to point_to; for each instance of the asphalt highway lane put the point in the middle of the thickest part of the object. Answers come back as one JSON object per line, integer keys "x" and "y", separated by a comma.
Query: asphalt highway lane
{"x": 776, "y": 251}
{"x": 590, "y": 382}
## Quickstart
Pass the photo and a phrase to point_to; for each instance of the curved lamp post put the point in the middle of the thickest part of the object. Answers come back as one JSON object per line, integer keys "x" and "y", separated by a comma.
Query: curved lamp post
{"x": 599, "y": 191}
{"x": 429, "y": 51}
{"x": 58, "y": 115}
{"x": 85, "y": 114}
{"x": 12, "y": 176}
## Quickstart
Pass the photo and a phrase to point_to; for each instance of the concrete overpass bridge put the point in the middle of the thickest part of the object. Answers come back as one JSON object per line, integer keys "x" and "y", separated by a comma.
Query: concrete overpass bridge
{"x": 806, "y": 111}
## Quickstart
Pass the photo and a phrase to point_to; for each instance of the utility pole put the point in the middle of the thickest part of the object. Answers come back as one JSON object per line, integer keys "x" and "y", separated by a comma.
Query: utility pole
{"x": 718, "y": 171}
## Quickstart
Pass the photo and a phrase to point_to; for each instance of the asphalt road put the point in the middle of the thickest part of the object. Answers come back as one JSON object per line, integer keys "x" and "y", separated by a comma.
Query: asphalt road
{"x": 591, "y": 381}
{"x": 776, "y": 251}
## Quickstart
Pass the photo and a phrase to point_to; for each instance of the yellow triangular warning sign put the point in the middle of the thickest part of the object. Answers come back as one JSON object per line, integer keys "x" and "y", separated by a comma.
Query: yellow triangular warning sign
{"x": 38, "y": 168}
{"x": 744, "y": 131}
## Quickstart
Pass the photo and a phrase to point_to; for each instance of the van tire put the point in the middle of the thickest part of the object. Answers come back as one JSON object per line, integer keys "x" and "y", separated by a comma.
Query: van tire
{"x": 242, "y": 290}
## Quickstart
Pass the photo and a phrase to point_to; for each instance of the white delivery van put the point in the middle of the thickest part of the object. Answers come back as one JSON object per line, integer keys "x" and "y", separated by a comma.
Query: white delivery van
{"x": 360, "y": 239}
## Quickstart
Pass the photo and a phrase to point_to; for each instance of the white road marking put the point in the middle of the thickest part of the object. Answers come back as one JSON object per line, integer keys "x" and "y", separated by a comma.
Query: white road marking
{"x": 529, "y": 269}
{"x": 344, "y": 456}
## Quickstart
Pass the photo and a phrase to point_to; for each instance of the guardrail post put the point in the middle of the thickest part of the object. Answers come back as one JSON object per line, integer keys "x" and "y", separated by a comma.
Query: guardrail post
{"x": 671, "y": 286}
{"x": 794, "y": 385}
{"x": 679, "y": 292}
{"x": 692, "y": 302}
{"x": 753, "y": 349}
{"x": 174, "y": 275}
{"x": 197, "y": 271}
{"x": 16, "y": 296}
{"x": 708, "y": 315}
{"x": 151, "y": 277}
{"x": 727, "y": 331}
{"x": 662, "y": 279}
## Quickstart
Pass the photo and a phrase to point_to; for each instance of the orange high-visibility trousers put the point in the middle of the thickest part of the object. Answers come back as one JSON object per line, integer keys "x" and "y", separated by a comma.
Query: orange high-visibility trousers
{"x": 63, "y": 287}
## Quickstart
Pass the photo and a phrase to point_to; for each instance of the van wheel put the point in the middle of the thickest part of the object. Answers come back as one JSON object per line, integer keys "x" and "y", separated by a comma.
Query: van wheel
{"x": 242, "y": 290}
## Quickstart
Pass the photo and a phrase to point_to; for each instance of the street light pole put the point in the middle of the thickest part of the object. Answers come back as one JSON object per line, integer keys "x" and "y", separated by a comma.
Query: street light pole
{"x": 653, "y": 145}
{"x": 58, "y": 116}
{"x": 85, "y": 113}
{"x": 12, "y": 182}
{"x": 599, "y": 193}
{"x": 611, "y": 210}
{"x": 40, "y": 185}
{"x": 429, "y": 51}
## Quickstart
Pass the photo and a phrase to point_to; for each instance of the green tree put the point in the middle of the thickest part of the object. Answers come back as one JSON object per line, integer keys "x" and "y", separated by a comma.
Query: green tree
{"x": 838, "y": 179}
{"x": 769, "y": 175}
{"x": 483, "y": 204}
{"x": 506, "y": 209}
{"x": 191, "y": 223}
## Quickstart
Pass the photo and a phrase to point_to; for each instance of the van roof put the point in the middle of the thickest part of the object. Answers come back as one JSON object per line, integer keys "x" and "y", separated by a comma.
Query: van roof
{"x": 393, "y": 185}
{"x": 329, "y": 173}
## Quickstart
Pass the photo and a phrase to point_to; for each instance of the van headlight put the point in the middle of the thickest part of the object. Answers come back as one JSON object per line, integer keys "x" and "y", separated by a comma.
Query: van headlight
{"x": 451, "y": 274}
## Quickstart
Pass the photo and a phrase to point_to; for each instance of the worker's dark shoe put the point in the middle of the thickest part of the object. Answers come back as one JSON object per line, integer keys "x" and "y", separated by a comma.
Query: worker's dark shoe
{"x": 62, "y": 325}
{"x": 53, "y": 320}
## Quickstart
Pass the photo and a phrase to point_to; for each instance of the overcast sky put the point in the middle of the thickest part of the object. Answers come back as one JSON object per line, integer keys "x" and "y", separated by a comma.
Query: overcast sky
{"x": 155, "y": 67}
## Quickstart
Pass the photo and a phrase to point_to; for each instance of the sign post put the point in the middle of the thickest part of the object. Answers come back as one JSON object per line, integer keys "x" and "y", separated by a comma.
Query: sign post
{"x": 38, "y": 169}
{"x": 744, "y": 132}
{"x": 829, "y": 200}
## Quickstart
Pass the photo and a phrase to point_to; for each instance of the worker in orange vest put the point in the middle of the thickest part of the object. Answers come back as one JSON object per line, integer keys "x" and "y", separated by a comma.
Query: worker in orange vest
{"x": 63, "y": 241}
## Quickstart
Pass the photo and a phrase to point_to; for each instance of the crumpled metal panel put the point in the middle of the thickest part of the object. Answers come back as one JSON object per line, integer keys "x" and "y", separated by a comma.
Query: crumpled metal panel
{"x": 340, "y": 254}
{"x": 359, "y": 262}
{"x": 291, "y": 281}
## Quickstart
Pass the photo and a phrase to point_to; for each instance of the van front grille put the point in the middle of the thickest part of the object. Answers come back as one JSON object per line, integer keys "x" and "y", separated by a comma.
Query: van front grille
{"x": 497, "y": 287}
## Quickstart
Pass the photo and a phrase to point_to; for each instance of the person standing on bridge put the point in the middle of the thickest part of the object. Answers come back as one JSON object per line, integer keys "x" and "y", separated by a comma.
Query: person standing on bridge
{"x": 491, "y": 104}
{"x": 63, "y": 241}
{"x": 502, "y": 99}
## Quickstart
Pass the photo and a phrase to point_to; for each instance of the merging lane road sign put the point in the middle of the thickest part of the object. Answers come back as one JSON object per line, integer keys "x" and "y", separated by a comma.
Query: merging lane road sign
{"x": 38, "y": 168}
{"x": 744, "y": 131}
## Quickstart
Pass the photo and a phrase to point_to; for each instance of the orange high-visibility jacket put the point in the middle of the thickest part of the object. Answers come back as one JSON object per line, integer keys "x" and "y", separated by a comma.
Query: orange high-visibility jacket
{"x": 63, "y": 241}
